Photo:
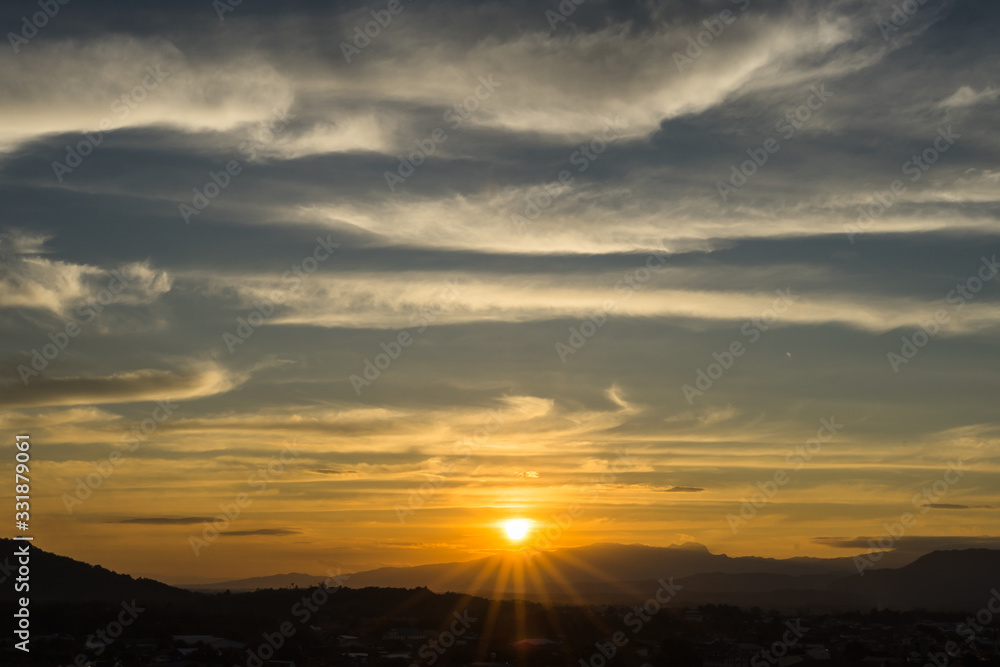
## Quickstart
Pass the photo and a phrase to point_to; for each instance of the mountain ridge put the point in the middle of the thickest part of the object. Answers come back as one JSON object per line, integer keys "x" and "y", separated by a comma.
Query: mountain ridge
{"x": 690, "y": 557}
{"x": 960, "y": 579}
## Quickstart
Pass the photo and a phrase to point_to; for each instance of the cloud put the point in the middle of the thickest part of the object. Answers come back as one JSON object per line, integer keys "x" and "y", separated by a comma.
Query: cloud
{"x": 168, "y": 521}
{"x": 681, "y": 489}
{"x": 966, "y": 97}
{"x": 30, "y": 280}
{"x": 397, "y": 301}
{"x": 128, "y": 387}
{"x": 274, "y": 532}
{"x": 950, "y": 506}
{"x": 567, "y": 84}
{"x": 562, "y": 86}
{"x": 131, "y": 81}
{"x": 921, "y": 543}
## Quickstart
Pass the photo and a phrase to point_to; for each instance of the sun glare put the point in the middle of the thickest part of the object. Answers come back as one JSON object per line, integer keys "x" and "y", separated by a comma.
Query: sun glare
{"x": 517, "y": 529}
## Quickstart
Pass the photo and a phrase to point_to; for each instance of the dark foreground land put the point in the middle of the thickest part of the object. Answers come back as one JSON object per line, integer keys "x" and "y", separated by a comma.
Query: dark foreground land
{"x": 85, "y": 615}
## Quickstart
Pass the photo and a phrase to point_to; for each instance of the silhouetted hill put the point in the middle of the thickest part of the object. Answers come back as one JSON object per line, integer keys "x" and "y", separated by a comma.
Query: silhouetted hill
{"x": 58, "y": 578}
{"x": 948, "y": 580}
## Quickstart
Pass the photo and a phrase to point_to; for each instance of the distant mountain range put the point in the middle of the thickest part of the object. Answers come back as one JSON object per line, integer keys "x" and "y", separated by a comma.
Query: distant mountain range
{"x": 960, "y": 580}
{"x": 594, "y": 564}
{"x": 615, "y": 573}
{"x": 597, "y": 566}
{"x": 290, "y": 580}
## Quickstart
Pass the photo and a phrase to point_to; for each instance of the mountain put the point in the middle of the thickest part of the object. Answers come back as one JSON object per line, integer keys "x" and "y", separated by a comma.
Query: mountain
{"x": 594, "y": 567}
{"x": 290, "y": 580}
{"x": 58, "y": 578}
{"x": 627, "y": 574}
{"x": 962, "y": 580}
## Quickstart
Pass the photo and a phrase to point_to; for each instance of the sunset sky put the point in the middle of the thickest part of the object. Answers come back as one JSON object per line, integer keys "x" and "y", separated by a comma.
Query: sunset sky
{"x": 628, "y": 257}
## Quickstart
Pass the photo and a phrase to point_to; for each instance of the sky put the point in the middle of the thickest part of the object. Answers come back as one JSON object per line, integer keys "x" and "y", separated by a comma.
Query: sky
{"x": 312, "y": 285}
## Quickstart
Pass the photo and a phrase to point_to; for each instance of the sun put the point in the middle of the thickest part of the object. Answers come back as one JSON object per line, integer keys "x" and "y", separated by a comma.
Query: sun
{"x": 517, "y": 529}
